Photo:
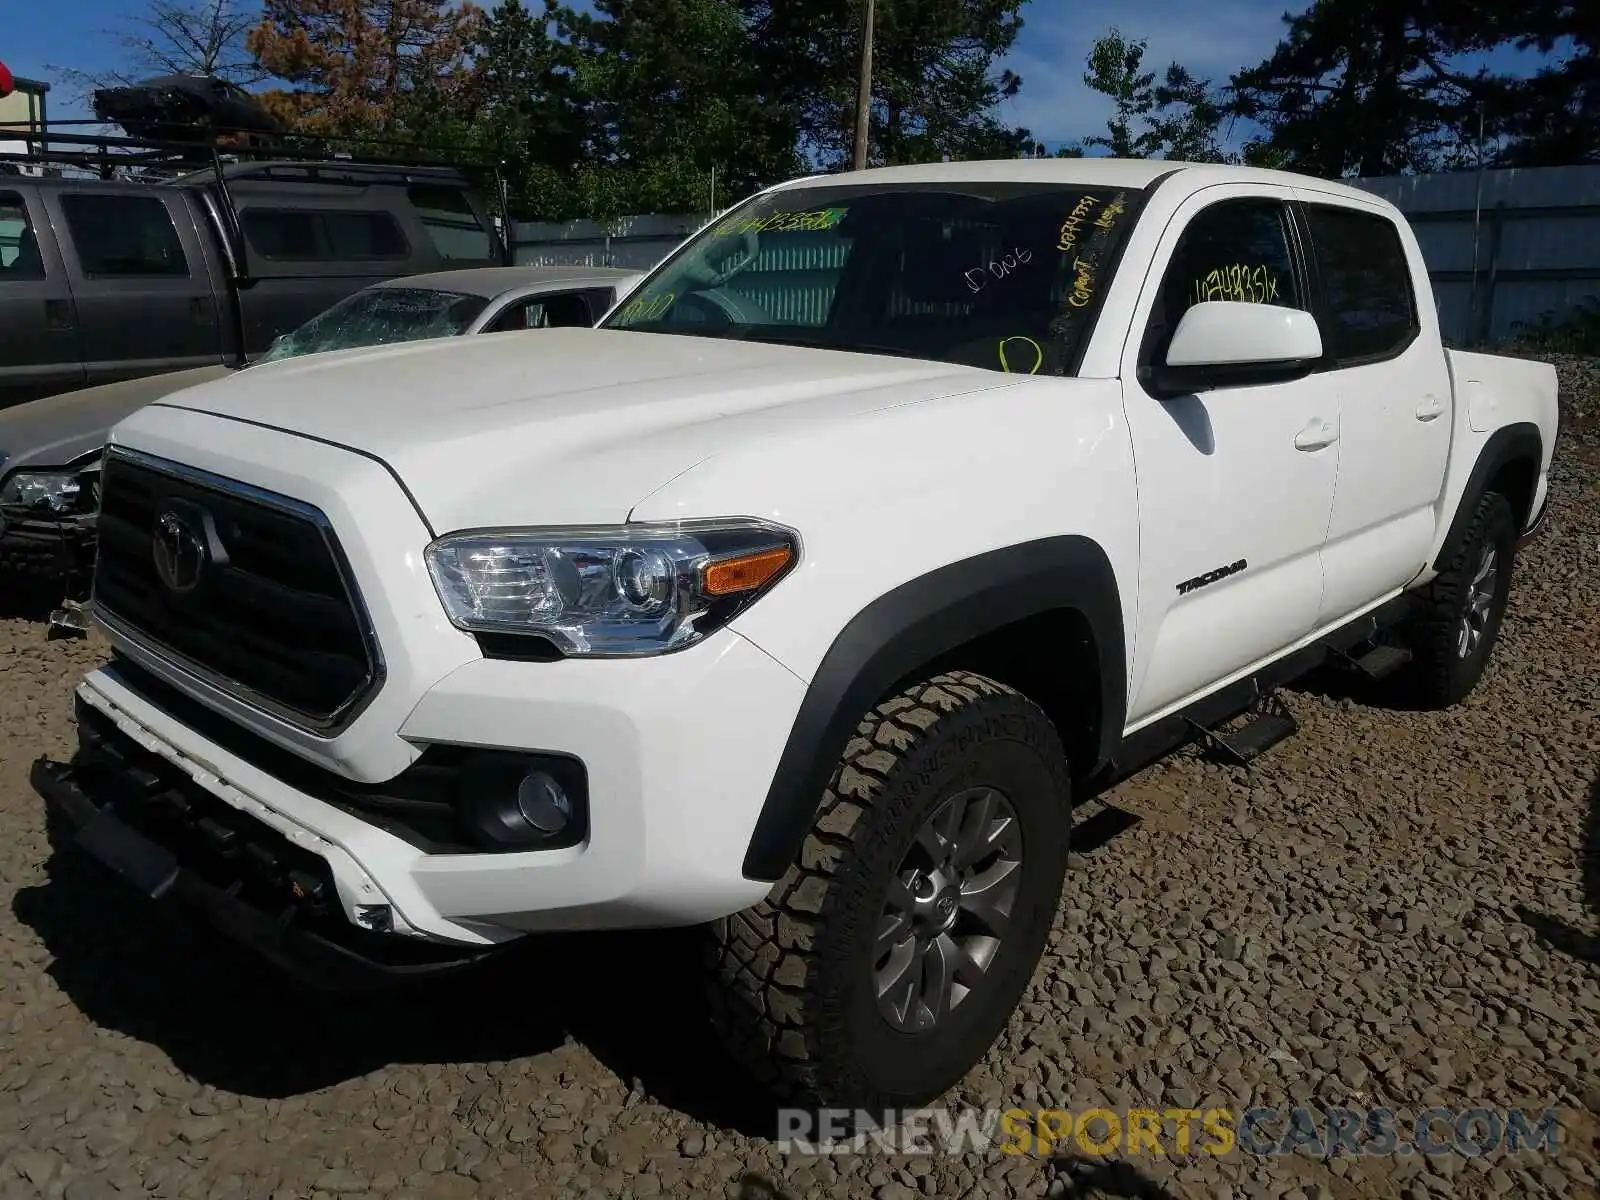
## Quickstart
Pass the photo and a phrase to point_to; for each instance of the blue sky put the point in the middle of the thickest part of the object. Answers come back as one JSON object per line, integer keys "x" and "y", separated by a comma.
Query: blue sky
{"x": 1211, "y": 38}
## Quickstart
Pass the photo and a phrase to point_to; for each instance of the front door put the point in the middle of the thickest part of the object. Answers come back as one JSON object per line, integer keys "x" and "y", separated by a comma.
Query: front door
{"x": 145, "y": 301}
{"x": 39, "y": 350}
{"x": 1235, "y": 484}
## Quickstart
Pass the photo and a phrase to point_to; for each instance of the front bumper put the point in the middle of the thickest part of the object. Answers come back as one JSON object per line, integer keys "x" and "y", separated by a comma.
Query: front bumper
{"x": 169, "y": 840}
{"x": 47, "y": 547}
{"x": 678, "y": 751}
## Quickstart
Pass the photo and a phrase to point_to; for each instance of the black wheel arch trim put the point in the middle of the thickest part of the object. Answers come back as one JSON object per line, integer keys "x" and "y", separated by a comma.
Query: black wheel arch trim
{"x": 912, "y": 625}
{"x": 1512, "y": 443}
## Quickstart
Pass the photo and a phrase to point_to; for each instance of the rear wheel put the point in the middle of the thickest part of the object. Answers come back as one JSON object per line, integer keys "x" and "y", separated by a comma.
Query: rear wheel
{"x": 889, "y": 957}
{"x": 1455, "y": 632}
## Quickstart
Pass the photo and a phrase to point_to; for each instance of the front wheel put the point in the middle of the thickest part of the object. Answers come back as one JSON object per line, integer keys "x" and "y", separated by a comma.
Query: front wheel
{"x": 890, "y": 956}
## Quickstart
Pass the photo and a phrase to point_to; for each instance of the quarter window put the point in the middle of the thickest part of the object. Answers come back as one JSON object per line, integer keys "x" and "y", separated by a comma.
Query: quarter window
{"x": 124, "y": 235}
{"x": 452, "y": 226}
{"x": 1367, "y": 282}
{"x": 306, "y": 235}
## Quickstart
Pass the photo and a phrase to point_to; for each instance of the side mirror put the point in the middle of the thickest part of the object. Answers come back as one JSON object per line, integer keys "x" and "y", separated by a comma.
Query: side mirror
{"x": 1230, "y": 342}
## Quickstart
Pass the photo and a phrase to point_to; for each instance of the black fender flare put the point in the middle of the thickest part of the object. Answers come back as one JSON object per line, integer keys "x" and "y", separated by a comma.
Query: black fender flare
{"x": 1512, "y": 443}
{"x": 911, "y": 626}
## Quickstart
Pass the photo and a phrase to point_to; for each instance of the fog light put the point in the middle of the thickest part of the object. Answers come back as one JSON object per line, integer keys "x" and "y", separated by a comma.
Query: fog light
{"x": 524, "y": 801}
{"x": 543, "y": 804}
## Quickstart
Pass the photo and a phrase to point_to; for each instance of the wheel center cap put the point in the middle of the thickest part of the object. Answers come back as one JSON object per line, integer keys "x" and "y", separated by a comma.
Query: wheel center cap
{"x": 944, "y": 908}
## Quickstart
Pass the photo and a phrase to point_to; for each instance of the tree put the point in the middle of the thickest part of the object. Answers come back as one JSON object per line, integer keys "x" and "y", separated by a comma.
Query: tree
{"x": 178, "y": 37}
{"x": 1366, "y": 87}
{"x": 1551, "y": 118}
{"x": 365, "y": 66}
{"x": 525, "y": 110}
{"x": 675, "y": 105}
{"x": 1177, "y": 119}
{"x": 935, "y": 89}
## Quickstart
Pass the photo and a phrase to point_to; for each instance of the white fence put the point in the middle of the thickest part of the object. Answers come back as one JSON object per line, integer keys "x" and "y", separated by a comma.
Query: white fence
{"x": 1502, "y": 247}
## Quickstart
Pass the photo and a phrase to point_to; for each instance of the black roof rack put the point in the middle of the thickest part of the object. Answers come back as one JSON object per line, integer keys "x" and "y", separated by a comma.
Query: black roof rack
{"x": 219, "y": 156}
{"x": 236, "y": 154}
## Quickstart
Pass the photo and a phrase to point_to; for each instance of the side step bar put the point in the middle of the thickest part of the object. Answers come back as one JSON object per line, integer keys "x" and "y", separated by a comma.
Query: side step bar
{"x": 1377, "y": 663}
{"x": 1273, "y": 723}
{"x": 1270, "y": 722}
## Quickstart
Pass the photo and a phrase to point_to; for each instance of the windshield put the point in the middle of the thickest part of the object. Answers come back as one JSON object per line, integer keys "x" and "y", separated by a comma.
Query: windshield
{"x": 377, "y": 317}
{"x": 1006, "y": 276}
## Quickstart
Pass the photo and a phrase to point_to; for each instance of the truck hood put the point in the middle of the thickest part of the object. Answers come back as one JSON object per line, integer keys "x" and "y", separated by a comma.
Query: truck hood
{"x": 59, "y": 430}
{"x": 562, "y": 426}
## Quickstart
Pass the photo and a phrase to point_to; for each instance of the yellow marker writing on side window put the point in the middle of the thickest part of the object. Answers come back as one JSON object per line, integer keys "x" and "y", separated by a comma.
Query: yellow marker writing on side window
{"x": 1038, "y": 354}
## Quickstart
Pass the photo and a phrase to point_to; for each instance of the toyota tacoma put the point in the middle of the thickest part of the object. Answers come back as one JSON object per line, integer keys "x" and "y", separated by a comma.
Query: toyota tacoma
{"x": 799, "y": 599}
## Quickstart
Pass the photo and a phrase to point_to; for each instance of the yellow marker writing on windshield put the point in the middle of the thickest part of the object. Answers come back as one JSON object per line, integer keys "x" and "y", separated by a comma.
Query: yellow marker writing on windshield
{"x": 1038, "y": 354}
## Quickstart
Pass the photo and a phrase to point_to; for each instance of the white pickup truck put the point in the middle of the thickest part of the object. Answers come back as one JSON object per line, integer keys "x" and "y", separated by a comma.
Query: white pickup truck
{"x": 800, "y": 598}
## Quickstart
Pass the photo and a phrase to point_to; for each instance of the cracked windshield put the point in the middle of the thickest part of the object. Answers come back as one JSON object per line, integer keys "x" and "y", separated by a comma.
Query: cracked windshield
{"x": 380, "y": 317}
{"x": 995, "y": 275}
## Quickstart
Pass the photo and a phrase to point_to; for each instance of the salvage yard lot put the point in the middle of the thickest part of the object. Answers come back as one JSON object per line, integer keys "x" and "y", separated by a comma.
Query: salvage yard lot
{"x": 1393, "y": 909}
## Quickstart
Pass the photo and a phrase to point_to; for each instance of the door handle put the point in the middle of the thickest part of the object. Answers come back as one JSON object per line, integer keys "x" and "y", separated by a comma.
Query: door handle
{"x": 1315, "y": 436}
{"x": 1430, "y": 408}
{"x": 58, "y": 315}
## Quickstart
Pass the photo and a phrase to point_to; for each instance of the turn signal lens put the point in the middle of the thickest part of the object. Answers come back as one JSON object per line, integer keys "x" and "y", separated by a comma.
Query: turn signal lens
{"x": 745, "y": 573}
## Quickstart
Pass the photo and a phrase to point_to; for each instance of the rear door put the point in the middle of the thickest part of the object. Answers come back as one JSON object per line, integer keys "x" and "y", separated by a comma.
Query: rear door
{"x": 39, "y": 349}
{"x": 144, "y": 296}
{"x": 1394, "y": 403}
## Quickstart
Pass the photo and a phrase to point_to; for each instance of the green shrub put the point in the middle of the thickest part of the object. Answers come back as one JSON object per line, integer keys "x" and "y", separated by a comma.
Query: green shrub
{"x": 1577, "y": 331}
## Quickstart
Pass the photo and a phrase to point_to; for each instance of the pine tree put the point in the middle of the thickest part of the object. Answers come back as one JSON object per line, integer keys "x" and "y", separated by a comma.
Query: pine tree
{"x": 936, "y": 83}
{"x": 1365, "y": 87}
{"x": 365, "y": 66}
{"x": 1178, "y": 118}
{"x": 675, "y": 104}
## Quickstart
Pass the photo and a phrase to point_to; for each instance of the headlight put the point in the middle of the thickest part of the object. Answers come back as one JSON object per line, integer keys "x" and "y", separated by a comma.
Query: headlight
{"x": 619, "y": 591}
{"x": 41, "y": 489}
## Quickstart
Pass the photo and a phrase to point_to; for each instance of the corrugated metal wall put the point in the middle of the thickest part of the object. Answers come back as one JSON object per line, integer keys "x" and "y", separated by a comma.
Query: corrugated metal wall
{"x": 637, "y": 243}
{"x": 1501, "y": 249}
{"x": 1537, "y": 235}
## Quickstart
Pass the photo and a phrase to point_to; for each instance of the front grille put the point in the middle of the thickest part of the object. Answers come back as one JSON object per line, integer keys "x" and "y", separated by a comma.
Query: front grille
{"x": 261, "y": 605}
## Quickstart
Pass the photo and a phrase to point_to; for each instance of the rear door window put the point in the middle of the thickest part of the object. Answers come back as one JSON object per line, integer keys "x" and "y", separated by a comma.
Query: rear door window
{"x": 124, "y": 236}
{"x": 1367, "y": 282}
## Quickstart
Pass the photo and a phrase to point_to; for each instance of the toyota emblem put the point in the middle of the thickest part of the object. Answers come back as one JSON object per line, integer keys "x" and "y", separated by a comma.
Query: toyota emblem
{"x": 179, "y": 552}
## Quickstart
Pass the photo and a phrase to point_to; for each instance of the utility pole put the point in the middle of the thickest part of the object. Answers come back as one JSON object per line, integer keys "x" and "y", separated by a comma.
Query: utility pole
{"x": 864, "y": 94}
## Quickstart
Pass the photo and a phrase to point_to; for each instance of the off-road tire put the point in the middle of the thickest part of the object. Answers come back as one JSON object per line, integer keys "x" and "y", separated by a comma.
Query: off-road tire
{"x": 792, "y": 978}
{"x": 1438, "y": 676}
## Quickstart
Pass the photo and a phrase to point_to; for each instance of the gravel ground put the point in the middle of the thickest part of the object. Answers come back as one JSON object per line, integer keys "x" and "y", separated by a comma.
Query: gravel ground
{"x": 1392, "y": 909}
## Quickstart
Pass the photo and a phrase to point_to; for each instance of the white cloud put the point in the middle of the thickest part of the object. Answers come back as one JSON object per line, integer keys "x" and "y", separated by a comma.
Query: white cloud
{"x": 1211, "y": 40}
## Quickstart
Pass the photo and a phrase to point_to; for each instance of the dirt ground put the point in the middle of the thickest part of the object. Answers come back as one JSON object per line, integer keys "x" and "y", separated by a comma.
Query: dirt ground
{"x": 1392, "y": 909}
